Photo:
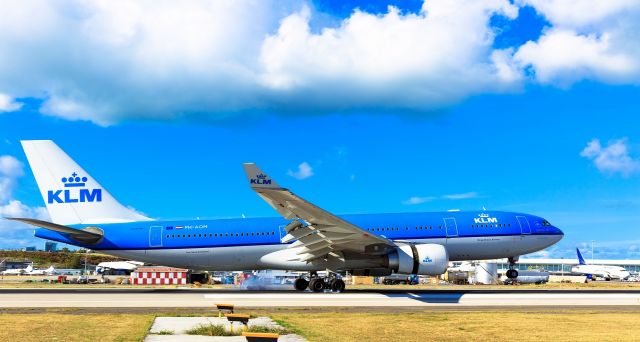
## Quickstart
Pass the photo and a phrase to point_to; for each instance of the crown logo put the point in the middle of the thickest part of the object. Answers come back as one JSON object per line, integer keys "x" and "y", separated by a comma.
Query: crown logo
{"x": 261, "y": 176}
{"x": 73, "y": 181}
{"x": 484, "y": 215}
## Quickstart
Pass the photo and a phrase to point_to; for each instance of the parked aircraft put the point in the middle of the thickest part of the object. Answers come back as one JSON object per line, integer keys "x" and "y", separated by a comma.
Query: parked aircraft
{"x": 602, "y": 271}
{"x": 14, "y": 271}
{"x": 39, "y": 271}
{"x": 29, "y": 270}
{"x": 305, "y": 238}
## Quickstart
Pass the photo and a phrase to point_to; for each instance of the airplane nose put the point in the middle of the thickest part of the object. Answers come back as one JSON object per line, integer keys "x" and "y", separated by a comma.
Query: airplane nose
{"x": 560, "y": 233}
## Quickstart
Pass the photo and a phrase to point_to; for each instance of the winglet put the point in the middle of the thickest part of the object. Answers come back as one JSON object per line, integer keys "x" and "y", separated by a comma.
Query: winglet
{"x": 257, "y": 178}
{"x": 580, "y": 258}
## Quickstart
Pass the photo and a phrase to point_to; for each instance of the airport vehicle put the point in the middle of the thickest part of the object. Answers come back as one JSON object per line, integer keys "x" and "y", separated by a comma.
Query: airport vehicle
{"x": 395, "y": 279}
{"x": 529, "y": 277}
{"x": 605, "y": 272}
{"x": 306, "y": 238}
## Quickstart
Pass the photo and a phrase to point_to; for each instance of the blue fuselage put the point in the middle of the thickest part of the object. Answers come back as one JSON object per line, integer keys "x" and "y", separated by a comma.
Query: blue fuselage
{"x": 467, "y": 235}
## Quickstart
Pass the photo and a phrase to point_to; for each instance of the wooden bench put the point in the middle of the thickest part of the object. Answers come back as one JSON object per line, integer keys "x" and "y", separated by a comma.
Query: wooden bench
{"x": 244, "y": 319}
{"x": 260, "y": 337}
{"x": 226, "y": 308}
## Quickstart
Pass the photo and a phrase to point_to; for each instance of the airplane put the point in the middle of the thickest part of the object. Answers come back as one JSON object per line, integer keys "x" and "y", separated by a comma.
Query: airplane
{"x": 29, "y": 270}
{"x": 15, "y": 271}
{"x": 306, "y": 238}
{"x": 39, "y": 272}
{"x": 603, "y": 271}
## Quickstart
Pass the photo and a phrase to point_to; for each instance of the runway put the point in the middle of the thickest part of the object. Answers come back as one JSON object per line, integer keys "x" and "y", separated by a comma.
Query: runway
{"x": 147, "y": 298}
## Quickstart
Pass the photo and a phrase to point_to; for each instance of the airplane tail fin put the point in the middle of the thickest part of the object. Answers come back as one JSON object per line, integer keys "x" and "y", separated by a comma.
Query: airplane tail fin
{"x": 71, "y": 195}
{"x": 580, "y": 258}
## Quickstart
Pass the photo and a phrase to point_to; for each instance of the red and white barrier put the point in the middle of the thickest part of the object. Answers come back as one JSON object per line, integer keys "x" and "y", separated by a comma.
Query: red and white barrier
{"x": 159, "y": 276}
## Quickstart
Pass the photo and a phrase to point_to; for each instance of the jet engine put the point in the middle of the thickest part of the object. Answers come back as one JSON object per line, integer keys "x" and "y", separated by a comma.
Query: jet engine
{"x": 423, "y": 259}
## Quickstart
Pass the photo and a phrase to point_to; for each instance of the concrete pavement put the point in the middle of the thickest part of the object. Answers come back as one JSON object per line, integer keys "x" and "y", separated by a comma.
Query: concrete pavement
{"x": 34, "y": 298}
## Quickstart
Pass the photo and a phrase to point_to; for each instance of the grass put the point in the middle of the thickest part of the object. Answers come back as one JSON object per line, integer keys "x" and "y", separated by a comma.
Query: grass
{"x": 219, "y": 330}
{"x": 69, "y": 327}
{"x": 165, "y": 332}
{"x": 474, "y": 326}
{"x": 420, "y": 325}
{"x": 210, "y": 330}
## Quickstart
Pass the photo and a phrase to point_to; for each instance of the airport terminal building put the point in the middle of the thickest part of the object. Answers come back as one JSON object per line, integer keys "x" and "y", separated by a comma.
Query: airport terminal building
{"x": 560, "y": 266}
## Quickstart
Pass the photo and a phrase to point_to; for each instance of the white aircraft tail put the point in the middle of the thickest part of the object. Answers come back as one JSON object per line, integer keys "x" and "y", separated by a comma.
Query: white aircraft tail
{"x": 71, "y": 195}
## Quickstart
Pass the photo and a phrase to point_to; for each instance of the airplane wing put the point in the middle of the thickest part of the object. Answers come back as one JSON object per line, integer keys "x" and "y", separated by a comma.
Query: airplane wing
{"x": 76, "y": 234}
{"x": 316, "y": 230}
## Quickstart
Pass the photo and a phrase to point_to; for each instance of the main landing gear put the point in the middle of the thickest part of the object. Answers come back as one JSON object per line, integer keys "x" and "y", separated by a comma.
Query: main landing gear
{"x": 319, "y": 284}
{"x": 512, "y": 273}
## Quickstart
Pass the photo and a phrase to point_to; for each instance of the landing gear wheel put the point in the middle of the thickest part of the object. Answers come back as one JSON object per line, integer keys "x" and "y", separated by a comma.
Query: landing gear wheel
{"x": 301, "y": 284}
{"x": 337, "y": 285}
{"x": 316, "y": 284}
{"x": 512, "y": 274}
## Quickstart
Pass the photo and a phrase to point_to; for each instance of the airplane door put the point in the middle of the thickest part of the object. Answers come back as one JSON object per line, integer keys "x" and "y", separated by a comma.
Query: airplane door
{"x": 155, "y": 236}
{"x": 451, "y": 226}
{"x": 524, "y": 224}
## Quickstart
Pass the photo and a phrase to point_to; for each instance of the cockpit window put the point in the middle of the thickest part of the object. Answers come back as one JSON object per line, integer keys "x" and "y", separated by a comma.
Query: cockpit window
{"x": 546, "y": 223}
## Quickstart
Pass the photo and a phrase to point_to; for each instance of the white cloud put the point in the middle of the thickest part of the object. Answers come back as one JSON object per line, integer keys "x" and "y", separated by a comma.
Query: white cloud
{"x": 613, "y": 158}
{"x": 415, "y": 61}
{"x": 587, "y": 39}
{"x": 105, "y": 61}
{"x": 563, "y": 56}
{"x": 11, "y": 167}
{"x": 418, "y": 200}
{"x": 8, "y": 104}
{"x": 15, "y": 233}
{"x": 10, "y": 170}
{"x": 466, "y": 195}
{"x": 304, "y": 171}
{"x": 580, "y": 13}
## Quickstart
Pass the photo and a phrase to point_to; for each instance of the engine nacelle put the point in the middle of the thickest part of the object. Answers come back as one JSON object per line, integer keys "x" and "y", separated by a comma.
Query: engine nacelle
{"x": 423, "y": 259}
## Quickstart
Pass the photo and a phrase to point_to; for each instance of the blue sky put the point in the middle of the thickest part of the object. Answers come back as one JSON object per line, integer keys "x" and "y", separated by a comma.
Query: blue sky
{"x": 505, "y": 121}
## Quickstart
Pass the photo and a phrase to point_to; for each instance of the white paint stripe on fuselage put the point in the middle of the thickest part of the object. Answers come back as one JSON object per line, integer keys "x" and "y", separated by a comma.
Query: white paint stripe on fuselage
{"x": 249, "y": 257}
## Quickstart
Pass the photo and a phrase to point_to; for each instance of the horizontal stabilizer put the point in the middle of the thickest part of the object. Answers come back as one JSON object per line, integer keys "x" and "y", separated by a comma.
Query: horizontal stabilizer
{"x": 76, "y": 234}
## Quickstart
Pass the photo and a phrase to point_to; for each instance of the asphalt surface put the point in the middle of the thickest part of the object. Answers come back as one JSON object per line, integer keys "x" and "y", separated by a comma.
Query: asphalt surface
{"x": 206, "y": 298}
